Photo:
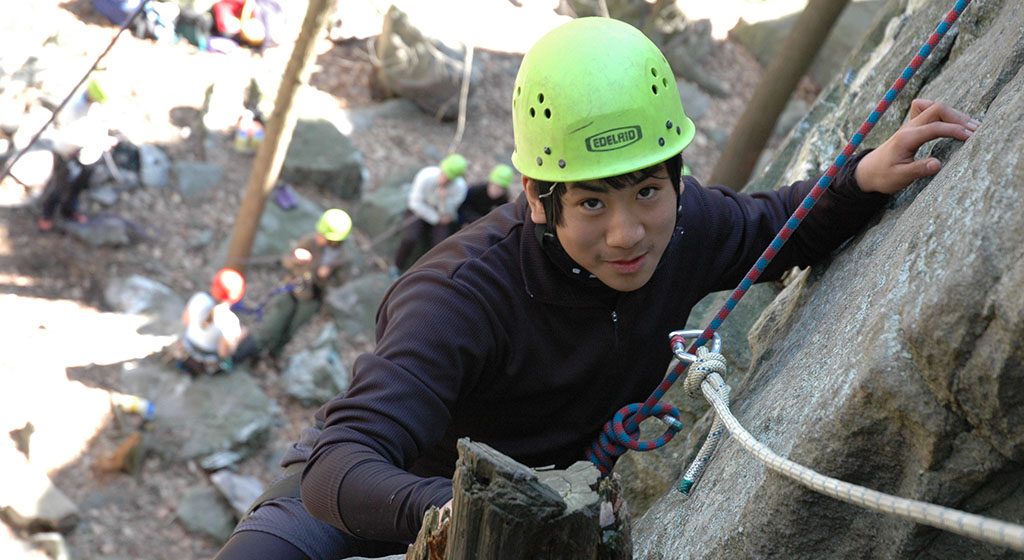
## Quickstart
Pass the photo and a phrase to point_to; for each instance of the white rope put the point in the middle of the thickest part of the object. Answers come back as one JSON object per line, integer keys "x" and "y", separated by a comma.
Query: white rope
{"x": 467, "y": 74}
{"x": 948, "y": 519}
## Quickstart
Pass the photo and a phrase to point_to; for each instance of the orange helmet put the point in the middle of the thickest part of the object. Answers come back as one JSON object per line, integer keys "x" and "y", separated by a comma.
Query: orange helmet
{"x": 228, "y": 285}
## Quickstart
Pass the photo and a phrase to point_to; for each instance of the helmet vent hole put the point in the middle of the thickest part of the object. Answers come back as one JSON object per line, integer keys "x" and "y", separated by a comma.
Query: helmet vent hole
{"x": 540, "y": 98}
{"x": 547, "y": 150}
{"x": 679, "y": 131}
{"x": 661, "y": 141}
{"x": 664, "y": 82}
{"x": 561, "y": 163}
{"x": 654, "y": 72}
{"x": 533, "y": 113}
{"x": 547, "y": 113}
{"x": 668, "y": 124}
{"x": 654, "y": 89}
{"x": 540, "y": 162}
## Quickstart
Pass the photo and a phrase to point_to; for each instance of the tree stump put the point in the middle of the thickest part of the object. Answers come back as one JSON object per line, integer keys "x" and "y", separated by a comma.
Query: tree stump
{"x": 503, "y": 510}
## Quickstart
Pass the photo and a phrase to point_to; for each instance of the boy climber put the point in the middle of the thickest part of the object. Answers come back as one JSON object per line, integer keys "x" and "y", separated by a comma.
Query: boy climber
{"x": 529, "y": 330}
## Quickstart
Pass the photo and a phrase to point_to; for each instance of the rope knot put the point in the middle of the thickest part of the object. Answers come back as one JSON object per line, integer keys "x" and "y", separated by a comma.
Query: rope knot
{"x": 708, "y": 362}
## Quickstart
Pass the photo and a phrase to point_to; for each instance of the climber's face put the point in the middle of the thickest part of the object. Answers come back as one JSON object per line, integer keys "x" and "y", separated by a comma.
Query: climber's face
{"x": 617, "y": 233}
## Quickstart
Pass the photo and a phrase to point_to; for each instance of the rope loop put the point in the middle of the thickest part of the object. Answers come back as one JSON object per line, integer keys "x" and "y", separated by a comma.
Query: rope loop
{"x": 707, "y": 363}
{"x": 626, "y": 426}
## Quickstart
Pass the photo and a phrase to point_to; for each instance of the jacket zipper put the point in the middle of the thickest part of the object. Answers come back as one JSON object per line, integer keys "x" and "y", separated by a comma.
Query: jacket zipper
{"x": 615, "y": 326}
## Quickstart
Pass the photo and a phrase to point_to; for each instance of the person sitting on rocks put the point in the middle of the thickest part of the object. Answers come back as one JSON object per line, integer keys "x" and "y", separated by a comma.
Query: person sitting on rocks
{"x": 481, "y": 198}
{"x": 437, "y": 191}
{"x": 212, "y": 330}
{"x": 309, "y": 266}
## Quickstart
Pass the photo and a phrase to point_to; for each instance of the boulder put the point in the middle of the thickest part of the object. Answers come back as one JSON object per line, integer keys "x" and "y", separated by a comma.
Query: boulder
{"x": 411, "y": 64}
{"x": 320, "y": 155}
{"x": 895, "y": 366}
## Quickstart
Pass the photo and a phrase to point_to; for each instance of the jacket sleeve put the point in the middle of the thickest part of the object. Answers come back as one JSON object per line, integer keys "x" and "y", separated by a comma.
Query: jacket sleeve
{"x": 738, "y": 227}
{"x": 432, "y": 341}
{"x": 418, "y": 202}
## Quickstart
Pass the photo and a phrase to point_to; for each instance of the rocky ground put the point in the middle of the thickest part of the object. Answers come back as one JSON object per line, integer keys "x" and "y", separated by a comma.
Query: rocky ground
{"x": 53, "y": 284}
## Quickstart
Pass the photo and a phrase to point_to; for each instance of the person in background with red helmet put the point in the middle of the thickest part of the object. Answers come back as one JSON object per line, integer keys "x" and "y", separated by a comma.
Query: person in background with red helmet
{"x": 212, "y": 330}
{"x": 529, "y": 330}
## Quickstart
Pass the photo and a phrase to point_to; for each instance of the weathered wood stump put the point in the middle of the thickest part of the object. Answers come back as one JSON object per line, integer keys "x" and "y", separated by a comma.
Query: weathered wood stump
{"x": 503, "y": 510}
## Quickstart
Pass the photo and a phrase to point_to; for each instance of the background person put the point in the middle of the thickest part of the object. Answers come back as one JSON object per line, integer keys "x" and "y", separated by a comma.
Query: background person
{"x": 434, "y": 199}
{"x": 481, "y": 198}
{"x": 309, "y": 266}
{"x": 212, "y": 330}
{"x": 79, "y": 142}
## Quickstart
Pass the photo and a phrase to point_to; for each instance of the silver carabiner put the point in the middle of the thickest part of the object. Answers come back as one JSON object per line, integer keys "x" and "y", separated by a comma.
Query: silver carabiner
{"x": 679, "y": 346}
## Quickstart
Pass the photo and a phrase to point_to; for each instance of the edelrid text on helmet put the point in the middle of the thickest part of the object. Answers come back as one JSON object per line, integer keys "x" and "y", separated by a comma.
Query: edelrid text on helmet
{"x": 228, "y": 285}
{"x": 453, "y": 166}
{"x": 334, "y": 224}
{"x": 595, "y": 98}
{"x": 502, "y": 175}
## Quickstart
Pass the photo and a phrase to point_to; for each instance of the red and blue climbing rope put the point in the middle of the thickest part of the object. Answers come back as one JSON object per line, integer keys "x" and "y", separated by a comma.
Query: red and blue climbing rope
{"x": 621, "y": 433}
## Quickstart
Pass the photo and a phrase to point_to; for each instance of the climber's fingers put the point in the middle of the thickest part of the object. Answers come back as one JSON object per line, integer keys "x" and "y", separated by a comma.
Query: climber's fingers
{"x": 924, "y": 111}
{"x": 891, "y": 167}
{"x": 910, "y": 138}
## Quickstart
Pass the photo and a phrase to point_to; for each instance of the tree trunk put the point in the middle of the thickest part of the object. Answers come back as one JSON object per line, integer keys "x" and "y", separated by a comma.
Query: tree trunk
{"x": 270, "y": 156}
{"x": 751, "y": 133}
{"x": 503, "y": 510}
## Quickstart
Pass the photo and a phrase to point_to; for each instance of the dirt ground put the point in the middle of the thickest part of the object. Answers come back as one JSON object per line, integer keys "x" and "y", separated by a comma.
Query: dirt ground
{"x": 60, "y": 342}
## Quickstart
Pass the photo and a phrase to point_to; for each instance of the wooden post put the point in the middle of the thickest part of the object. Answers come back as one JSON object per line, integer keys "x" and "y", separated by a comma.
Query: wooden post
{"x": 751, "y": 133}
{"x": 270, "y": 156}
{"x": 502, "y": 510}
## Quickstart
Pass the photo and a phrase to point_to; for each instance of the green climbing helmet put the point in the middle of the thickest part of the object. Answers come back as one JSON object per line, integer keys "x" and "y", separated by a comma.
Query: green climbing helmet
{"x": 96, "y": 91}
{"x": 453, "y": 166}
{"x": 502, "y": 175}
{"x": 335, "y": 225}
{"x": 595, "y": 98}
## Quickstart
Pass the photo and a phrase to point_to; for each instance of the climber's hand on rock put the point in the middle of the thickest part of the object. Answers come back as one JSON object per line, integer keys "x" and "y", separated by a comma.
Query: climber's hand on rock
{"x": 891, "y": 167}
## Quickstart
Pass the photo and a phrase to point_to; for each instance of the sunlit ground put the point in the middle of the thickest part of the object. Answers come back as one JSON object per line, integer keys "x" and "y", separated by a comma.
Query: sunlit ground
{"x": 42, "y": 339}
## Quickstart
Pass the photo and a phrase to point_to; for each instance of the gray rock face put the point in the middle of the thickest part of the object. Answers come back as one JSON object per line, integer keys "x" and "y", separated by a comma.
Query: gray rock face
{"x": 196, "y": 179}
{"x": 146, "y": 297}
{"x": 354, "y": 305}
{"x": 202, "y": 511}
{"x": 320, "y": 155}
{"x": 898, "y": 365}
{"x": 315, "y": 376}
{"x": 216, "y": 420}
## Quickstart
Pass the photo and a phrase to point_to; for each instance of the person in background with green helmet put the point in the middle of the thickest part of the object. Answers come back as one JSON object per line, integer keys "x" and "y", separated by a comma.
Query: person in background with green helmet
{"x": 309, "y": 266}
{"x": 529, "y": 330}
{"x": 481, "y": 198}
{"x": 434, "y": 199}
{"x": 79, "y": 139}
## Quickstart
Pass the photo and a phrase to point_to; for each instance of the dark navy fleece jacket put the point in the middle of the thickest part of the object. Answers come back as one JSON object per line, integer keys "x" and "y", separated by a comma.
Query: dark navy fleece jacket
{"x": 487, "y": 338}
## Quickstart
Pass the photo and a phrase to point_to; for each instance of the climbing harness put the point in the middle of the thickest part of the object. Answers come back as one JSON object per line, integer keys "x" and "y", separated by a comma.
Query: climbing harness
{"x": 241, "y": 308}
{"x": 622, "y": 431}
